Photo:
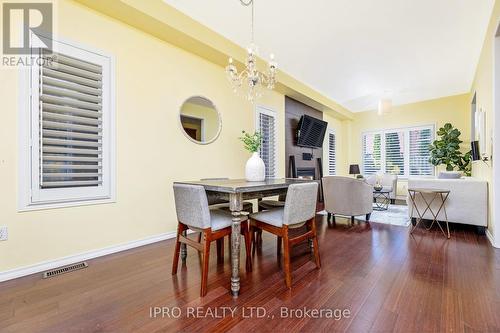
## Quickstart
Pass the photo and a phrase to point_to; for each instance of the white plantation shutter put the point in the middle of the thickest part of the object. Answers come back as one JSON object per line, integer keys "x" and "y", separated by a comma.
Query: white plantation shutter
{"x": 331, "y": 153}
{"x": 404, "y": 152}
{"x": 71, "y": 133}
{"x": 71, "y": 123}
{"x": 395, "y": 152}
{"x": 372, "y": 153}
{"x": 420, "y": 140}
{"x": 267, "y": 128}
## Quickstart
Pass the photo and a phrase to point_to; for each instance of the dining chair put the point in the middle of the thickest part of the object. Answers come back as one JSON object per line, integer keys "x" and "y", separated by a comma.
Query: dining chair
{"x": 267, "y": 205}
{"x": 299, "y": 210}
{"x": 193, "y": 213}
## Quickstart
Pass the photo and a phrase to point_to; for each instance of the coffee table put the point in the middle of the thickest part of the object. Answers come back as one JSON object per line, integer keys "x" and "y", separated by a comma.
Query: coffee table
{"x": 381, "y": 199}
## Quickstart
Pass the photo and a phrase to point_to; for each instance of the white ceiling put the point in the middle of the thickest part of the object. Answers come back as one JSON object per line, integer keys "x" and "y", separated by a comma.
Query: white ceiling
{"x": 358, "y": 51}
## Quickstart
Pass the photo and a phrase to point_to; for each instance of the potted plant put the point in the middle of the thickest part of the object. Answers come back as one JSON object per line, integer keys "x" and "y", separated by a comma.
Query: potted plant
{"x": 255, "y": 169}
{"x": 446, "y": 150}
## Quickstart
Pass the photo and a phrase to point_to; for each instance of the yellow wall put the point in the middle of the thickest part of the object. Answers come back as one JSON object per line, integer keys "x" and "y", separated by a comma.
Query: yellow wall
{"x": 437, "y": 112}
{"x": 483, "y": 87}
{"x": 153, "y": 79}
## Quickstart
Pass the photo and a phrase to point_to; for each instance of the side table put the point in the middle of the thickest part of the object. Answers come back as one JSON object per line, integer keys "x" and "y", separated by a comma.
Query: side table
{"x": 434, "y": 194}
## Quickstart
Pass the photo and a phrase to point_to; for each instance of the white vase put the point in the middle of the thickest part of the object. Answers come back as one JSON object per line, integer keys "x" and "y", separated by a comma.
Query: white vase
{"x": 255, "y": 169}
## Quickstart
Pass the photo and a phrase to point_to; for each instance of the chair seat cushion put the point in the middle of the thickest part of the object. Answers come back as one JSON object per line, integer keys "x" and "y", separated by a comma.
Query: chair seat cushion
{"x": 273, "y": 217}
{"x": 270, "y": 204}
{"x": 220, "y": 219}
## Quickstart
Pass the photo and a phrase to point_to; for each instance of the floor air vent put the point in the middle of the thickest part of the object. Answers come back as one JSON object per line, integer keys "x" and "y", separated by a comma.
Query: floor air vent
{"x": 65, "y": 269}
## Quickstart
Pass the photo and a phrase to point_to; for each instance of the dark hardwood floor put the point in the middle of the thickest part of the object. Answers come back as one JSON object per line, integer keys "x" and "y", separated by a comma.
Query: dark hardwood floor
{"x": 387, "y": 280}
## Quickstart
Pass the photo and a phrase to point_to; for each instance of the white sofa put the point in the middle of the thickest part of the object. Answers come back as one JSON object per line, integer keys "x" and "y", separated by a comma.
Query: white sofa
{"x": 467, "y": 202}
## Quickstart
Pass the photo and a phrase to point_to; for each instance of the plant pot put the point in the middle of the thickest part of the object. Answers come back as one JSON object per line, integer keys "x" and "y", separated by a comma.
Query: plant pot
{"x": 378, "y": 188}
{"x": 255, "y": 169}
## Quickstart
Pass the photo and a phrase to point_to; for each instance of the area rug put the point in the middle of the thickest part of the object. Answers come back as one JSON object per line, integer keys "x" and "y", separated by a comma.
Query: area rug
{"x": 395, "y": 215}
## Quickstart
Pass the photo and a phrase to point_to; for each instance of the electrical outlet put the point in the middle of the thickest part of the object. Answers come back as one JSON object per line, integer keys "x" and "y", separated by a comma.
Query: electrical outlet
{"x": 4, "y": 233}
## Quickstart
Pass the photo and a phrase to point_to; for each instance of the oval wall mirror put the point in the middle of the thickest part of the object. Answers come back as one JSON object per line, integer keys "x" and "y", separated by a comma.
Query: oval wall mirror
{"x": 200, "y": 120}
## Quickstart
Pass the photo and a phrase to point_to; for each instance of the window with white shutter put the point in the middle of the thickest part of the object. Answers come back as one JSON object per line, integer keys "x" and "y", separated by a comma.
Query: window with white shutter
{"x": 395, "y": 152}
{"x": 266, "y": 122}
{"x": 420, "y": 140}
{"x": 372, "y": 153}
{"x": 331, "y": 153}
{"x": 72, "y": 126}
{"x": 403, "y": 152}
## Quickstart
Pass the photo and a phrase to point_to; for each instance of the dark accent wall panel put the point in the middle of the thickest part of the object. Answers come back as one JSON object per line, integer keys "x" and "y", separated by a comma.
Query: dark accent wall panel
{"x": 293, "y": 111}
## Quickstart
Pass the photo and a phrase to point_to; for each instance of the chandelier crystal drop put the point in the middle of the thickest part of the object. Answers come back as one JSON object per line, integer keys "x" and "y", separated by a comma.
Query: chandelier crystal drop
{"x": 250, "y": 81}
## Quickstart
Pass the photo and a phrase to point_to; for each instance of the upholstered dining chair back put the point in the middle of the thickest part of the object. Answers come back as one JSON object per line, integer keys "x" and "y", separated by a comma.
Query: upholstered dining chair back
{"x": 191, "y": 205}
{"x": 300, "y": 204}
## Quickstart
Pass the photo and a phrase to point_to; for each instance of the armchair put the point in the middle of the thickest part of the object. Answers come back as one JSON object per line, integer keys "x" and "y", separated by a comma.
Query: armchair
{"x": 347, "y": 196}
{"x": 388, "y": 181}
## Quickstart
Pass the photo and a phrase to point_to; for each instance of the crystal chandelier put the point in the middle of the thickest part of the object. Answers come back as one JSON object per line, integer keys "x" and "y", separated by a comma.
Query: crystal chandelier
{"x": 249, "y": 81}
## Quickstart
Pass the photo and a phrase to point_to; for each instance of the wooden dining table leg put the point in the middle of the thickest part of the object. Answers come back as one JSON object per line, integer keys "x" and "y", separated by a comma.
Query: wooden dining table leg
{"x": 235, "y": 205}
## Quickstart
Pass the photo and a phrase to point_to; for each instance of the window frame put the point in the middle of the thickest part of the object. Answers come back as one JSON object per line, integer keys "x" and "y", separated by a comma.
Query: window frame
{"x": 328, "y": 132}
{"x": 260, "y": 109}
{"x": 31, "y": 197}
{"x": 406, "y": 131}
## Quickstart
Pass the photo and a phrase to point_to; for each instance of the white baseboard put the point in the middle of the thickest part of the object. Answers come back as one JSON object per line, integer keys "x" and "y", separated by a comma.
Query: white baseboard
{"x": 491, "y": 239}
{"x": 50, "y": 264}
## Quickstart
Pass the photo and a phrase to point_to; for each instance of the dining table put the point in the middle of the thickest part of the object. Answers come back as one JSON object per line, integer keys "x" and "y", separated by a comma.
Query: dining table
{"x": 235, "y": 191}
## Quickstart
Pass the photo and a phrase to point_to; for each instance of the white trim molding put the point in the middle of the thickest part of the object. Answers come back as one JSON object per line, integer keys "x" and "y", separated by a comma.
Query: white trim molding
{"x": 68, "y": 260}
{"x": 492, "y": 239}
{"x": 495, "y": 141}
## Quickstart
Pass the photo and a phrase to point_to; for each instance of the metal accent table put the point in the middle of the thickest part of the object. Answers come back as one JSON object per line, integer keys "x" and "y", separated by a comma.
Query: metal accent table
{"x": 434, "y": 193}
{"x": 381, "y": 199}
{"x": 235, "y": 191}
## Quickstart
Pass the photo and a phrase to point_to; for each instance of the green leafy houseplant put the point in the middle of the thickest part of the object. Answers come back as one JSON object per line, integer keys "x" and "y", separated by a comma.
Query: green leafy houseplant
{"x": 446, "y": 150}
{"x": 251, "y": 142}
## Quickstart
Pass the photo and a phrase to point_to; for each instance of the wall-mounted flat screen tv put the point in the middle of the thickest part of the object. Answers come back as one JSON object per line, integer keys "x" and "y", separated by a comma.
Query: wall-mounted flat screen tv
{"x": 311, "y": 132}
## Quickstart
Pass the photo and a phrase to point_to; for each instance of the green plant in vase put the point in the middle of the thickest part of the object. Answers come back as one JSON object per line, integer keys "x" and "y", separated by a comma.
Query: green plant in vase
{"x": 251, "y": 142}
{"x": 255, "y": 169}
{"x": 446, "y": 150}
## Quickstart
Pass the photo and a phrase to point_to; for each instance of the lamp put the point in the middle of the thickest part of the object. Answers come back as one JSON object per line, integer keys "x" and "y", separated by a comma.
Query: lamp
{"x": 354, "y": 169}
